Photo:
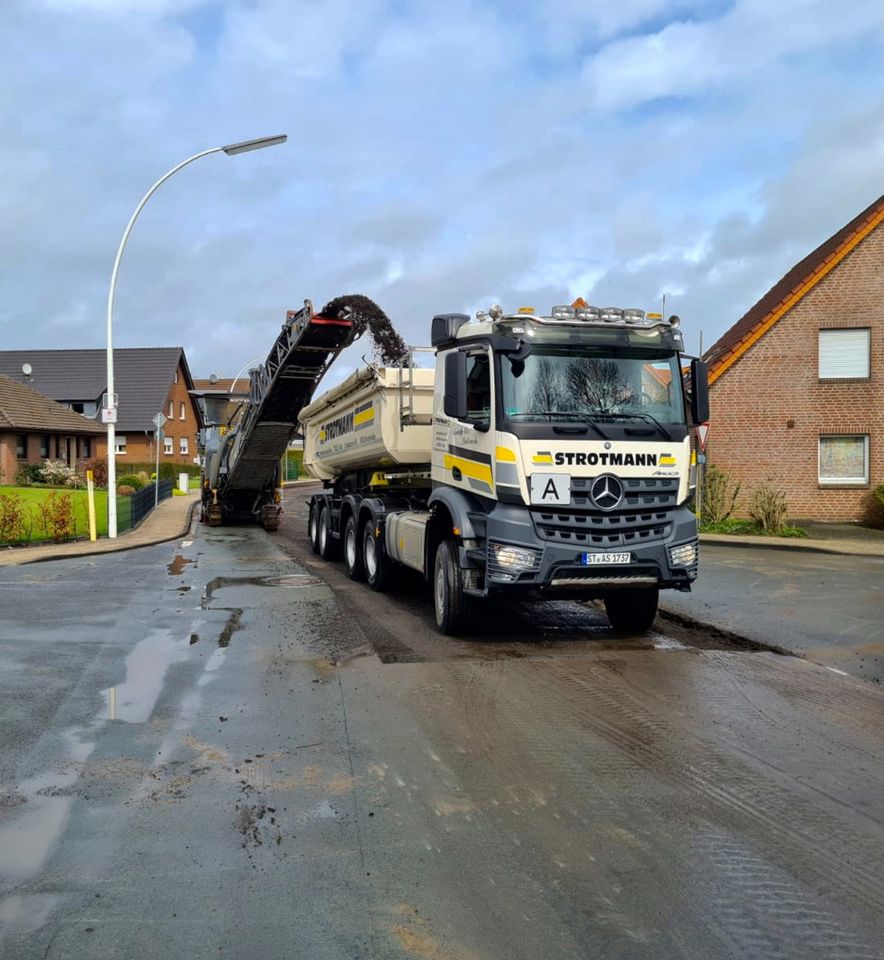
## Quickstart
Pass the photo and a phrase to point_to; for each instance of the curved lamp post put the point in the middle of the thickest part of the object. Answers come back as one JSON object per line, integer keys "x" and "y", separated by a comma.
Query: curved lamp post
{"x": 110, "y": 403}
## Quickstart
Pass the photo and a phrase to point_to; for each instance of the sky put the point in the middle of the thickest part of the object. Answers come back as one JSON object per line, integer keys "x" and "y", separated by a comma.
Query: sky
{"x": 441, "y": 157}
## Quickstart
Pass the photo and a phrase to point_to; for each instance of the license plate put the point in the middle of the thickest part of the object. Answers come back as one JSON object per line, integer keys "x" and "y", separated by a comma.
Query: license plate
{"x": 607, "y": 559}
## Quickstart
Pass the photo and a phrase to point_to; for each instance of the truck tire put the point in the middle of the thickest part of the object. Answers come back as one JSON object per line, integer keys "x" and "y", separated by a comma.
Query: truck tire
{"x": 329, "y": 549}
{"x": 449, "y": 600}
{"x": 375, "y": 562}
{"x": 632, "y": 611}
{"x": 313, "y": 527}
{"x": 354, "y": 557}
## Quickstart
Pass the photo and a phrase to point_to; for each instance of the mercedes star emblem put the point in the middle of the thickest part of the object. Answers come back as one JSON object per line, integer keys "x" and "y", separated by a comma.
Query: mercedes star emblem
{"x": 606, "y": 492}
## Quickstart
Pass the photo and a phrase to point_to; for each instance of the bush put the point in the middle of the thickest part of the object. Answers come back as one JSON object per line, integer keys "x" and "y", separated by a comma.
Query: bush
{"x": 874, "y": 508}
{"x": 719, "y": 496}
{"x": 767, "y": 507}
{"x": 130, "y": 480}
{"x": 99, "y": 472}
{"x": 12, "y": 518}
{"x": 27, "y": 474}
{"x": 143, "y": 476}
{"x": 124, "y": 490}
{"x": 56, "y": 473}
{"x": 57, "y": 513}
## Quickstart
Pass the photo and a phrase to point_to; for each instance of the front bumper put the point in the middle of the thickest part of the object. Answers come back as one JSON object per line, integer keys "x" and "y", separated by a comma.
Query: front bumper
{"x": 549, "y": 568}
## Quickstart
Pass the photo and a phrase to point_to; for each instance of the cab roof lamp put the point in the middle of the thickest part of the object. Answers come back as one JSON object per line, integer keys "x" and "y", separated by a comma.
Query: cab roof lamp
{"x": 528, "y": 310}
{"x": 564, "y": 312}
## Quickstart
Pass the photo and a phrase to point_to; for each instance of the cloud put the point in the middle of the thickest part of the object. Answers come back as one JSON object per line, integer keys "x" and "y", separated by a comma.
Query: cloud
{"x": 440, "y": 157}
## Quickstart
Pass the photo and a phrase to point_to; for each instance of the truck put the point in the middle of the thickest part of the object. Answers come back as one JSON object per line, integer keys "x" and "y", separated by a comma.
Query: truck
{"x": 543, "y": 456}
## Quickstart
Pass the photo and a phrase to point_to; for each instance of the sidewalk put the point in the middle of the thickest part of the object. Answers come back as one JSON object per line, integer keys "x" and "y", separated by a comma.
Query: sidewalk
{"x": 844, "y": 538}
{"x": 170, "y": 520}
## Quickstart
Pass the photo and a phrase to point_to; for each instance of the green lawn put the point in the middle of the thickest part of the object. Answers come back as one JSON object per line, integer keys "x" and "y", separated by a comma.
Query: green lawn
{"x": 31, "y": 496}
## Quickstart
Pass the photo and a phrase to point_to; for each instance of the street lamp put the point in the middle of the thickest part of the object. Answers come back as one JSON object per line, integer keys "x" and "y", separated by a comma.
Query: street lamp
{"x": 109, "y": 412}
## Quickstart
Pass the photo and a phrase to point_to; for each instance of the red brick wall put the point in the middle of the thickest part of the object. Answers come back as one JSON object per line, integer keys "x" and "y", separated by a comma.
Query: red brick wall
{"x": 140, "y": 446}
{"x": 9, "y": 461}
{"x": 777, "y": 381}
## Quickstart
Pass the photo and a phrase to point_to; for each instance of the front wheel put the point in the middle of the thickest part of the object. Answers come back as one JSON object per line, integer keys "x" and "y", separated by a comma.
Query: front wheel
{"x": 632, "y": 611}
{"x": 354, "y": 558}
{"x": 449, "y": 599}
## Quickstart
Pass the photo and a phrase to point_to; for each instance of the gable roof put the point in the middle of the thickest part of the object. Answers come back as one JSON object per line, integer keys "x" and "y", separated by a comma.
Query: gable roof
{"x": 788, "y": 291}
{"x": 142, "y": 376}
{"x": 22, "y": 408}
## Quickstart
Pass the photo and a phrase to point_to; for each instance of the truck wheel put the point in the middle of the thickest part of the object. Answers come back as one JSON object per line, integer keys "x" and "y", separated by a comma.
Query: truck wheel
{"x": 313, "y": 527}
{"x": 375, "y": 562}
{"x": 632, "y": 611}
{"x": 449, "y": 600}
{"x": 328, "y": 549}
{"x": 354, "y": 558}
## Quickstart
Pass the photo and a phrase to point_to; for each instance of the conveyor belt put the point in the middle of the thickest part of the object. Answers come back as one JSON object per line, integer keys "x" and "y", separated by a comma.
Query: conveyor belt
{"x": 279, "y": 389}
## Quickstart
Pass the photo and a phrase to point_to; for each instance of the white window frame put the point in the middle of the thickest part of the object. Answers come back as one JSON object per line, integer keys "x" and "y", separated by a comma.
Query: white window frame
{"x": 823, "y": 332}
{"x": 171, "y": 409}
{"x": 182, "y": 446}
{"x": 120, "y": 445}
{"x": 168, "y": 446}
{"x": 176, "y": 376}
{"x": 843, "y": 481}
{"x": 182, "y": 411}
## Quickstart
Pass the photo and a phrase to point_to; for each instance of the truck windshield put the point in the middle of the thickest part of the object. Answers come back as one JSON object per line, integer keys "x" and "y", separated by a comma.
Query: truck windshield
{"x": 560, "y": 384}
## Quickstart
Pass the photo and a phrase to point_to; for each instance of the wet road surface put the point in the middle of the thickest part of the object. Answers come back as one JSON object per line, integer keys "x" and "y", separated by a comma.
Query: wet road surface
{"x": 825, "y": 607}
{"x": 224, "y": 748}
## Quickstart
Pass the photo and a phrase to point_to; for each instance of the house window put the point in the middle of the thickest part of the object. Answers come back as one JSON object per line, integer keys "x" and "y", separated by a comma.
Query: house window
{"x": 181, "y": 411}
{"x": 844, "y": 459}
{"x": 21, "y": 446}
{"x": 86, "y": 448}
{"x": 176, "y": 376}
{"x": 120, "y": 445}
{"x": 844, "y": 354}
{"x": 171, "y": 409}
{"x": 167, "y": 446}
{"x": 44, "y": 446}
{"x": 182, "y": 446}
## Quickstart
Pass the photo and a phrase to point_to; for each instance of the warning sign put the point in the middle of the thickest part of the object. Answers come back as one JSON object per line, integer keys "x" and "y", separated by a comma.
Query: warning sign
{"x": 702, "y": 433}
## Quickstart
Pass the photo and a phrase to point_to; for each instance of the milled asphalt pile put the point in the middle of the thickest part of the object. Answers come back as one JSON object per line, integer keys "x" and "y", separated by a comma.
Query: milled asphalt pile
{"x": 390, "y": 349}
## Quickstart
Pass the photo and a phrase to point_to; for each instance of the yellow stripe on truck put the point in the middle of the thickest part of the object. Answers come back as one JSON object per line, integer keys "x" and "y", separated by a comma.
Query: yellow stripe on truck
{"x": 363, "y": 417}
{"x": 542, "y": 458}
{"x": 505, "y": 455}
{"x": 469, "y": 468}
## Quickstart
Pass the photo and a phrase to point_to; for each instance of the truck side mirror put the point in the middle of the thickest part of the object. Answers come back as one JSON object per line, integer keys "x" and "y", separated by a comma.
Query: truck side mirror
{"x": 455, "y": 398}
{"x": 699, "y": 392}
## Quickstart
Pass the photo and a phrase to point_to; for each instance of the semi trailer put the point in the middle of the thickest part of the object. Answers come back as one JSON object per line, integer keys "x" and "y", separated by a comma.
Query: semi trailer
{"x": 543, "y": 456}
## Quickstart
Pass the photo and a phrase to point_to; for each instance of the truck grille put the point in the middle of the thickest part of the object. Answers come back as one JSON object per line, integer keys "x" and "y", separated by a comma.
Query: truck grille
{"x": 644, "y": 515}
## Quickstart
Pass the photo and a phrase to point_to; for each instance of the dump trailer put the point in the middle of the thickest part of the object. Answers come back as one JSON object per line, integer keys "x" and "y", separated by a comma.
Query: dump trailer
{"x": 242, "y": 456}
{"x": 543, "y": 456}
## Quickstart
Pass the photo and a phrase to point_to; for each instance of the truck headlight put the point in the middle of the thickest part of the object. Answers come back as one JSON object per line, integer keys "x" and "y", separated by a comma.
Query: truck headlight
{"x": 684, "y": 555}
{"x": 507, "y": 562}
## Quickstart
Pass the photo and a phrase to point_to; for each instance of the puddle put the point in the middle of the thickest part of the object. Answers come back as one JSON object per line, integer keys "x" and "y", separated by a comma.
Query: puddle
{"x": 176, "y": 567}
{"x": 233, "y": 624}
{"x": 291, "y": 581}
{"x": 25, "y": 913}
{"x": 25, "y": 844}
{"x": 134, "y": 699}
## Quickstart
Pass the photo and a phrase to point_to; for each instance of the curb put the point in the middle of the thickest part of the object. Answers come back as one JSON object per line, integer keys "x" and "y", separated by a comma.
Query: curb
{"x": 813, "y": 546}
{"x": 121, "y": 548}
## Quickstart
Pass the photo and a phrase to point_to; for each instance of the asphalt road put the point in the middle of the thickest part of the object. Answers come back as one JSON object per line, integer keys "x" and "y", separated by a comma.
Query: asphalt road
{"x": 224, "y": 748}
{"x": 823, "y": 606}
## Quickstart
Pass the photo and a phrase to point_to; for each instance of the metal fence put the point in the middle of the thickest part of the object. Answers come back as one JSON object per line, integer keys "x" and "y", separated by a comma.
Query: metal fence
{"x": 133, "y": 509}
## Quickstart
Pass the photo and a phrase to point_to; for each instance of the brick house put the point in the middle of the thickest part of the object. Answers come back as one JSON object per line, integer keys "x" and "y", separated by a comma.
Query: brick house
{"x": 148, "y": 380}
{"x": 34, "y": 428}
{"x": 797, "y": 384}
